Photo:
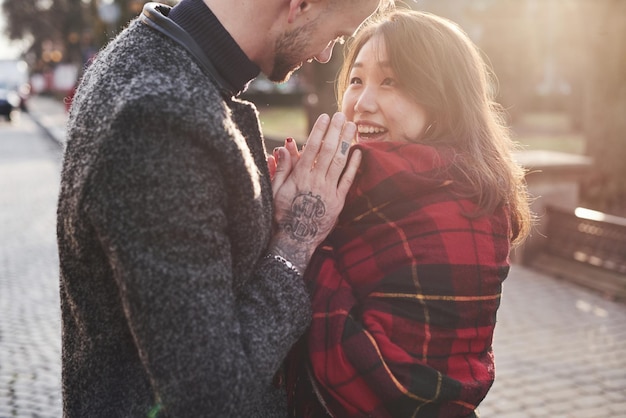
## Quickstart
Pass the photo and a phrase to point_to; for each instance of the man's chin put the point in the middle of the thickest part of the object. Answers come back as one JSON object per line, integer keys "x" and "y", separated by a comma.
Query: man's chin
{"x": 281, "y": 76}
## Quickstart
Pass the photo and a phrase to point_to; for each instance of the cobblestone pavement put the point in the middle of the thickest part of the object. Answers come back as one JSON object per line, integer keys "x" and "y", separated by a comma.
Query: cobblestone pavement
{"x": 560, "y": 349}
{"x": 30, "y": 329}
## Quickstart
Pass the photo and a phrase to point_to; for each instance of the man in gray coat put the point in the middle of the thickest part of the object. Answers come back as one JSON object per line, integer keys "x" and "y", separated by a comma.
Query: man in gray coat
{"x": 180, "y": 266}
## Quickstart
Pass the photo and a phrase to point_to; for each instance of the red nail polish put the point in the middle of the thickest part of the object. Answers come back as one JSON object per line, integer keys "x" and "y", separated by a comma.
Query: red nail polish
{"x": 290, "y": 139}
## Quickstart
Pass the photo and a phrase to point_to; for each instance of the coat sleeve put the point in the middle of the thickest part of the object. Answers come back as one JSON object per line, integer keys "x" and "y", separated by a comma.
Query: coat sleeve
{"x": 159, "y": 209}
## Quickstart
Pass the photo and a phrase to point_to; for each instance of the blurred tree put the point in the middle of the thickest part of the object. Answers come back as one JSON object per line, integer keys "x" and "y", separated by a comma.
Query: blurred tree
{"x": 605, "y": 104}
{"x": 40, "y": 20}
{"x": 72, "y": 30}
{"x": 67, "y": 30}
{"x": 126, "y": 11}
{"x": 506, "y": 32}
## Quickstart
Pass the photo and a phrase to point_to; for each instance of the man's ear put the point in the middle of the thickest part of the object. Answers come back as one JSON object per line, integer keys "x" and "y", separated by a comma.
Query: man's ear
{"x": 298, "y": 7}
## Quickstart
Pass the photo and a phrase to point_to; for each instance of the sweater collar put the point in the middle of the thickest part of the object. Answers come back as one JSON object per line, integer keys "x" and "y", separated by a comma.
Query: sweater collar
{"x": 195, "y": 17}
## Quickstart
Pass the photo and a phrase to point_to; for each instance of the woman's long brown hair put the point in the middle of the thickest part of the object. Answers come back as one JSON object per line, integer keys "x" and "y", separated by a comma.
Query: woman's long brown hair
{"x": 442, "y": 69}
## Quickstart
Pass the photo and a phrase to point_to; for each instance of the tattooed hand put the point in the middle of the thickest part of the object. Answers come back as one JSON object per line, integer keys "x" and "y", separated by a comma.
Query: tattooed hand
{"x": 309, "y": 193}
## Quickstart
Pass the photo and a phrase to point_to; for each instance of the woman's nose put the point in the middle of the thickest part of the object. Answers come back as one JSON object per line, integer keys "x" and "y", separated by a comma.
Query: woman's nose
{"x": 366, "y": 102}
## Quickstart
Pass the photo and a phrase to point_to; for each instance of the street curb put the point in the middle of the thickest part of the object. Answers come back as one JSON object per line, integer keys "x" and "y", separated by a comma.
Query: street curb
{"x": 46, "y": 129}
{"x": 50, "y": 114}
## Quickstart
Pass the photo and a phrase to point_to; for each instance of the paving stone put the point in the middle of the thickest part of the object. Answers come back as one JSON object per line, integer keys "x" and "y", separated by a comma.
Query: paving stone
{"x": 559, "y": 407}
{"x": 615, "y": 382}
{"x": 588, "y": 401}
{"x": 618, "y": 409}
{"x": 514, "y": 414}
{"x": 535, "y": 411}
{"x": 597, "y": 412}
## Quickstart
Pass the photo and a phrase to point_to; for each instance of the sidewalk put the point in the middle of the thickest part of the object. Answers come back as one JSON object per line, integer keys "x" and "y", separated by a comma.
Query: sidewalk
{"x": 560, "y": 351}
{"x": 560, "y": 348}
{"x": 50, "y": 114}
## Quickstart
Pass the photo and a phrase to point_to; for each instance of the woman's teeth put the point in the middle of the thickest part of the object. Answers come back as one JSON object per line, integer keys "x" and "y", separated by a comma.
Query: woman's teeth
{"x": 368, "y": 130}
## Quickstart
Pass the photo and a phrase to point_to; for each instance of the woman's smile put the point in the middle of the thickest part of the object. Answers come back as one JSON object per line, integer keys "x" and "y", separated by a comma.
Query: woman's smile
{"x": 370, "y": 132}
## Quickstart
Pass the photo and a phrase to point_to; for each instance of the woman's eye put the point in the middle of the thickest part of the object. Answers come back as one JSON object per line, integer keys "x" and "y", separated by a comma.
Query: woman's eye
{"x": 389, "y": 82}
{"x": 355, "y": 80}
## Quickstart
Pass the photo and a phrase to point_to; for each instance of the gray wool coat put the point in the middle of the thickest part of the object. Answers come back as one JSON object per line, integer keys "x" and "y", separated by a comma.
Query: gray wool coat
{"x": 164, "y": 217}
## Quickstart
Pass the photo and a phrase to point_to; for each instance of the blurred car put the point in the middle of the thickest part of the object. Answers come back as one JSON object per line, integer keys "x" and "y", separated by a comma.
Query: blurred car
{"x": 14, "y": 78}
{"x": 9, "y": 101}
{"x": 23, "y": 92}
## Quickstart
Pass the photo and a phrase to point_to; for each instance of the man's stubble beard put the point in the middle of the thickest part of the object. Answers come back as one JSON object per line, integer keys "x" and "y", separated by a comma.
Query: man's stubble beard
{"x": 289, "y": 49}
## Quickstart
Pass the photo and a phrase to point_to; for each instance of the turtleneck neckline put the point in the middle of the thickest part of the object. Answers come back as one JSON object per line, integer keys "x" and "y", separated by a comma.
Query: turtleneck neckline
{"x": 195, "y": 17}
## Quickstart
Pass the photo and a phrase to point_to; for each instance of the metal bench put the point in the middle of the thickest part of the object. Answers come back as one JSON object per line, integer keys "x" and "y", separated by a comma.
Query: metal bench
{"x": 586, "y": 247}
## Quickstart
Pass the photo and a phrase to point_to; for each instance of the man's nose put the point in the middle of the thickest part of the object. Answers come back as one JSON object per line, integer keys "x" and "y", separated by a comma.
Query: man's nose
{"x": 325, "y": 56}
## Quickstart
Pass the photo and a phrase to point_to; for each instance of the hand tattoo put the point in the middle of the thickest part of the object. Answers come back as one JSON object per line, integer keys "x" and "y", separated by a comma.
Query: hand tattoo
{"x": 302, "y": 221}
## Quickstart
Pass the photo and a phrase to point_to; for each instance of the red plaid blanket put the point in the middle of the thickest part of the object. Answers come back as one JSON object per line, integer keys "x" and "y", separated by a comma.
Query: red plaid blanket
{"x": 404, "y": 296}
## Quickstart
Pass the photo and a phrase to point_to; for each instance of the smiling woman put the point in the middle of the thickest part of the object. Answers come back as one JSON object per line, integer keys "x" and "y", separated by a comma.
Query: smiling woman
{"x": 406, "y": 288}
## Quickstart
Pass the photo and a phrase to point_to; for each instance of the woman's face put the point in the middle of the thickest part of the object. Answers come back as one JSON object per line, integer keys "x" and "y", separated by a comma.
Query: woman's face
{"x": 377, "y": 103}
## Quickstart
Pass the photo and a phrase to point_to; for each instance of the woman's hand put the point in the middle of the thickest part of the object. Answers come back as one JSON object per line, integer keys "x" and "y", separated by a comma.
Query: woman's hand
{"x": 291, "y": 148}
{"x": 310, "y": 188}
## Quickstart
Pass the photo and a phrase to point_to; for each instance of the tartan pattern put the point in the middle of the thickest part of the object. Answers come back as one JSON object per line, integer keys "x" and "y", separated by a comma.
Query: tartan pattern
{"x": 404, "y": 295}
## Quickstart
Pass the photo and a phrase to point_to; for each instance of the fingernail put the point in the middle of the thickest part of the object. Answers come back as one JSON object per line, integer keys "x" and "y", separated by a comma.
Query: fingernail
{"x": 290, "y": 139}
{"x": 275, "y": 150}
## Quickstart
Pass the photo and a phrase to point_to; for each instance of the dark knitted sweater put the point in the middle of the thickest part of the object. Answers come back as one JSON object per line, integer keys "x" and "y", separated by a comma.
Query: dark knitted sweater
{"x": 164, "y": 216}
